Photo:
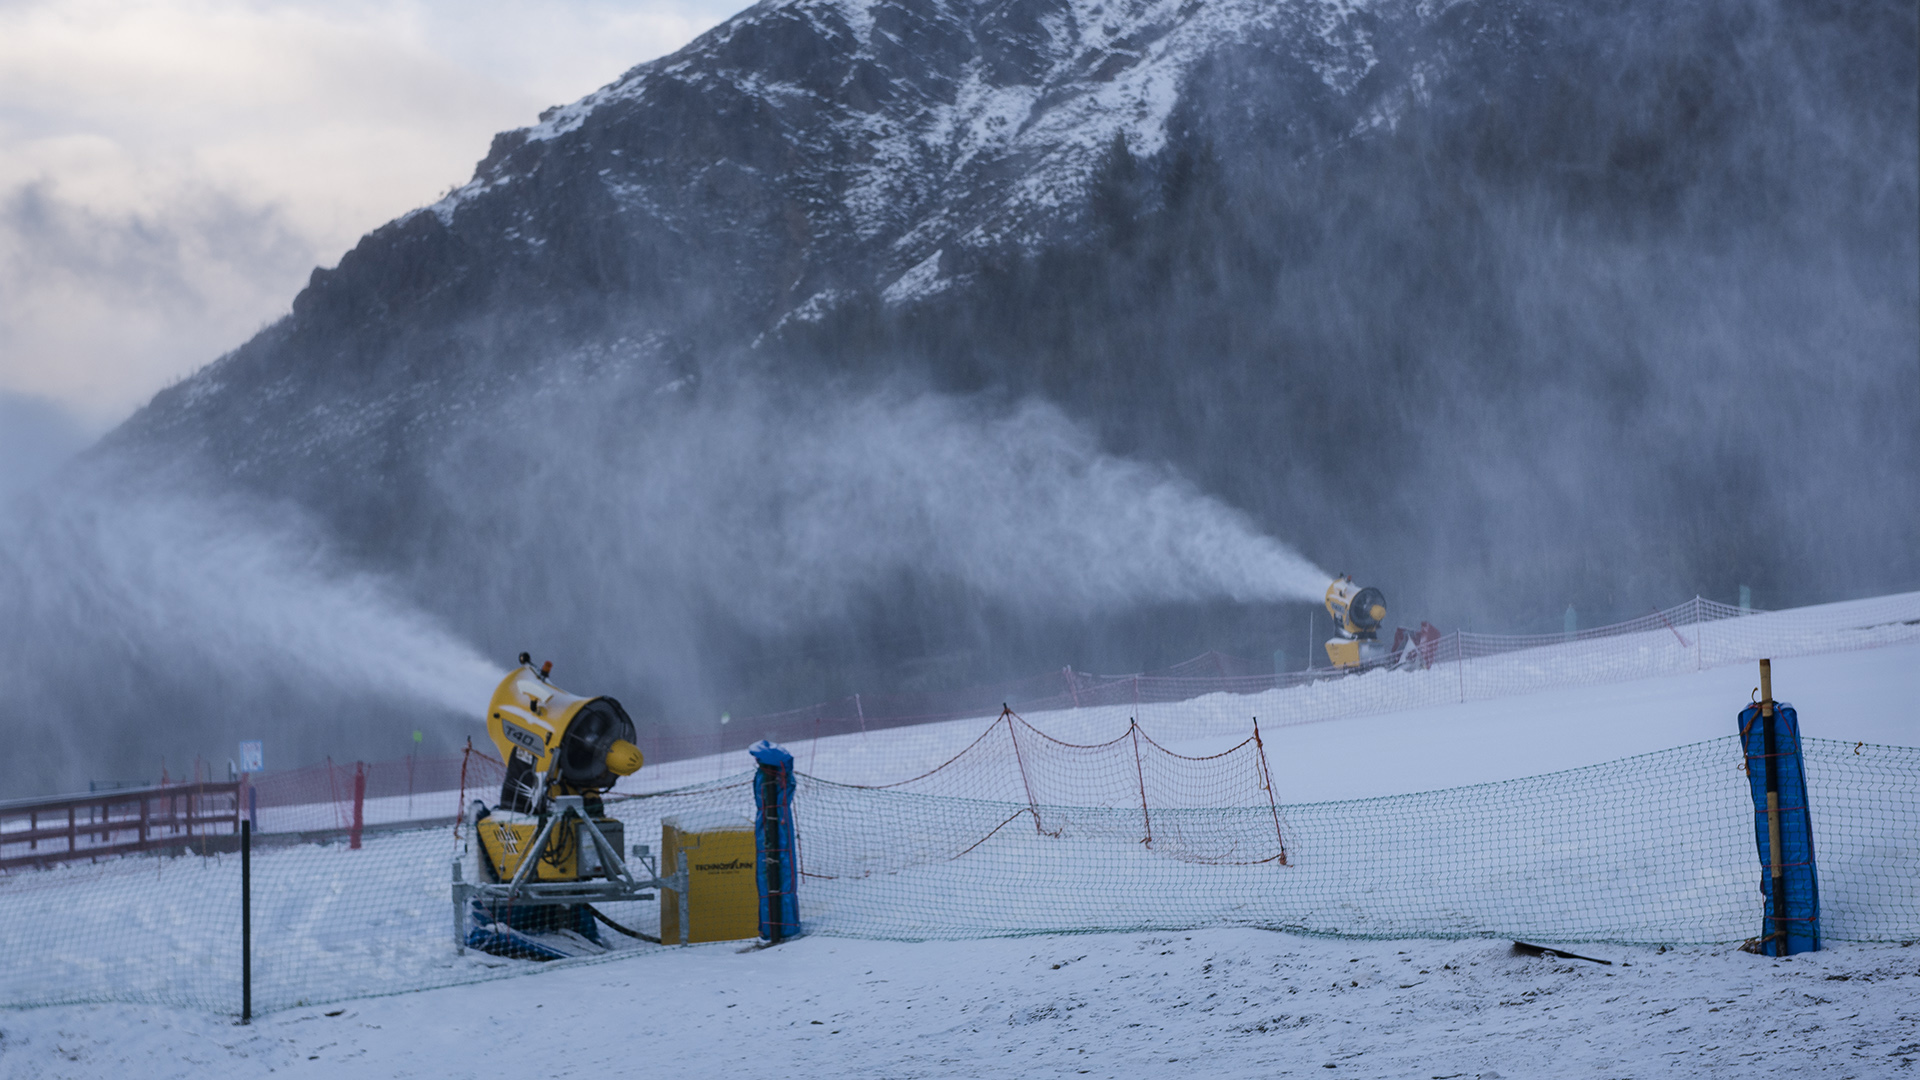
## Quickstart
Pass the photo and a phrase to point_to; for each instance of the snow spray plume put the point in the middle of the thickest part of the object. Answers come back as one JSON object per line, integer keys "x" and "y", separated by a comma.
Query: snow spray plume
{"x": 141, "y": 623}
{"x": 651, "y": 537}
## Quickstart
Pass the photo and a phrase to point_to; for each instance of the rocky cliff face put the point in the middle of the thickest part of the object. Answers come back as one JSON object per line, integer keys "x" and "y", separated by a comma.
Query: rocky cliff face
{"x": 1502, "y": 304}
{"x": 800, "y": 159}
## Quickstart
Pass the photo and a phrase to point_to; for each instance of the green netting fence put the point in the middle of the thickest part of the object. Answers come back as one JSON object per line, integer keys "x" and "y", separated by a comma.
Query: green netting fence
{"x": 1651, "y": 849}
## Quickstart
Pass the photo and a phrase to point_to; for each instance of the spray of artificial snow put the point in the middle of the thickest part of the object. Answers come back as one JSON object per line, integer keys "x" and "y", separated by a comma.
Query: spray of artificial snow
{"x": 681, "y": 546}
{"x": 155, "y": 622}
{"x": 783, "y": 511}
{"x": 143, "y": 625}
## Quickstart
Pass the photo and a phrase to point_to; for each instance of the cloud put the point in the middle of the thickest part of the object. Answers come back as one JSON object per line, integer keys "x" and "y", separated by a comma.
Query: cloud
{"x": 98, "y": 307}
{"x": 36, "y": 437}
{"x": 170, "y": 170}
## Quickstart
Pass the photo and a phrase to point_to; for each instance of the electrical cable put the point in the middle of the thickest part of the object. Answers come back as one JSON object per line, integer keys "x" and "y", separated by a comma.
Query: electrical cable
{"x": 616, "y": 926}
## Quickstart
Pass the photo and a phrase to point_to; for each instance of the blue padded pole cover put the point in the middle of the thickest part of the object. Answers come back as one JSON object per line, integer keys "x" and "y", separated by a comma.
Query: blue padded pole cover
{"x": 1792, "y": 921}
{"x": 776, "y": 868}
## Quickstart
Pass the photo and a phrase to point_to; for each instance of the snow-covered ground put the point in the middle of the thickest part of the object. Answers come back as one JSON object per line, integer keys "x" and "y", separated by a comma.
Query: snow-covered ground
{"x": 1228, "y": 1000}
{"x": 1859, "y": 694}
{"x": 1220, "y": 1004}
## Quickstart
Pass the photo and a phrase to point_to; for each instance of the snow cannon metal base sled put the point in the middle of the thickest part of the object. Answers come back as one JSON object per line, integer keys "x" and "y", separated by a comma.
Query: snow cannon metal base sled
{"x": 548, "y": 852}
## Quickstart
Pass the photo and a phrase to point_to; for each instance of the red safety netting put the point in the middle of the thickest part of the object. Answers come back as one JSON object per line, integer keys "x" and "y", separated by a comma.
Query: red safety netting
{"x": 334, "y": 796}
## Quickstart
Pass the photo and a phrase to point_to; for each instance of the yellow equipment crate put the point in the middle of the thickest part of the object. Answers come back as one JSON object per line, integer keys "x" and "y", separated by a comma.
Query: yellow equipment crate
{"x": 723, "y": 900}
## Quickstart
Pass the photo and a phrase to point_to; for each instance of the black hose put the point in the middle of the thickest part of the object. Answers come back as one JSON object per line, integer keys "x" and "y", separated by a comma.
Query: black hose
{"x": 616, "y": 926}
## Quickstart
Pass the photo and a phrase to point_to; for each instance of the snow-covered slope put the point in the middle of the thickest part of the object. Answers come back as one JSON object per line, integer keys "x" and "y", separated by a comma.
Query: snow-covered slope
{"x": 1853, "y": 669}
{"x": 1236, "y": 1002}
{"x": 1225, "y": 1004}
{"x": 938, "y": 861}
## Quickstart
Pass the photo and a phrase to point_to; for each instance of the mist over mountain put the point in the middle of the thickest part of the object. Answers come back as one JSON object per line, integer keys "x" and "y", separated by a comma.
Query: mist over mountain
{"x": 903, "y": 343}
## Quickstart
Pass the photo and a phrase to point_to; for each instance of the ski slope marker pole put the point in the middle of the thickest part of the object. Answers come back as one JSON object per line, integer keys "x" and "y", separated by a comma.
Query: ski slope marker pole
{"x": 246, "y": 921}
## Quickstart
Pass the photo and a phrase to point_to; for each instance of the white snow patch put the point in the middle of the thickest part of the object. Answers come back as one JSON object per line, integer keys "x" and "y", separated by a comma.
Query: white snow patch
{"x": 706, "y": 821}
{"x": 922, "y": 281}
{"x": 815, "y": 307}
{"x": 859, "y": 17}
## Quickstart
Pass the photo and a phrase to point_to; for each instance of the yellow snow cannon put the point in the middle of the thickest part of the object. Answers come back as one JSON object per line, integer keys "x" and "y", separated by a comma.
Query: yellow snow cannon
{"x": 549, "y": 851}
{"x": 1357, "y": 614}
{"x": 554, "y": 744}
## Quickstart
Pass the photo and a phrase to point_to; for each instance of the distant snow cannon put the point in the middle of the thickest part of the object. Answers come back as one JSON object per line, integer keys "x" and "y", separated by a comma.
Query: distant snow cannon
{"x": 1357, "y": 614}
{"x": 549, "y": 850}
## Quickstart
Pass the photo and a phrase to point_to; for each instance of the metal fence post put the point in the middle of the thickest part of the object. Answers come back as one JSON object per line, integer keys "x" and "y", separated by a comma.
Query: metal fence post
{"x": 686, "y": 886}
{"x": 459, "y": 908}
{"x": 1460, "y": 652}
{"x": 246, "y": 922}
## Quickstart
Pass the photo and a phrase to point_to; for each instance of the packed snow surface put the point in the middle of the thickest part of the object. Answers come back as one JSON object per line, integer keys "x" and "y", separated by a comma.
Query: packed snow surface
{"x": 1867, "y": 694}
{"x": 1220, "y": 1004}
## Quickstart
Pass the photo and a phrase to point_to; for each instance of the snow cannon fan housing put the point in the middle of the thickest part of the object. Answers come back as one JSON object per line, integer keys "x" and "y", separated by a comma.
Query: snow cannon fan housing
{"x": 1357, "y": 614}
{"x": 554, "y": 742}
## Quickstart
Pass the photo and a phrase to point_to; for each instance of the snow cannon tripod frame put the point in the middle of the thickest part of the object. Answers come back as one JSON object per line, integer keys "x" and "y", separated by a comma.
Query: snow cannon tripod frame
{"x": 525, "y": 891}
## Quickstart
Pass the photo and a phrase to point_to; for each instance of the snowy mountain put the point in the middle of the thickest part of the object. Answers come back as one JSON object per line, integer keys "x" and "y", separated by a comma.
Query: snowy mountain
{"x": 798, "y": 160}
{"x": 1505, "y": 305}
{"x": 901, "y": 131}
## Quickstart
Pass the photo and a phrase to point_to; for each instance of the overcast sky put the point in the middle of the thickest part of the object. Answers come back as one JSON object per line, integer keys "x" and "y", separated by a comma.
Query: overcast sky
{"x": 171, "y": 170}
